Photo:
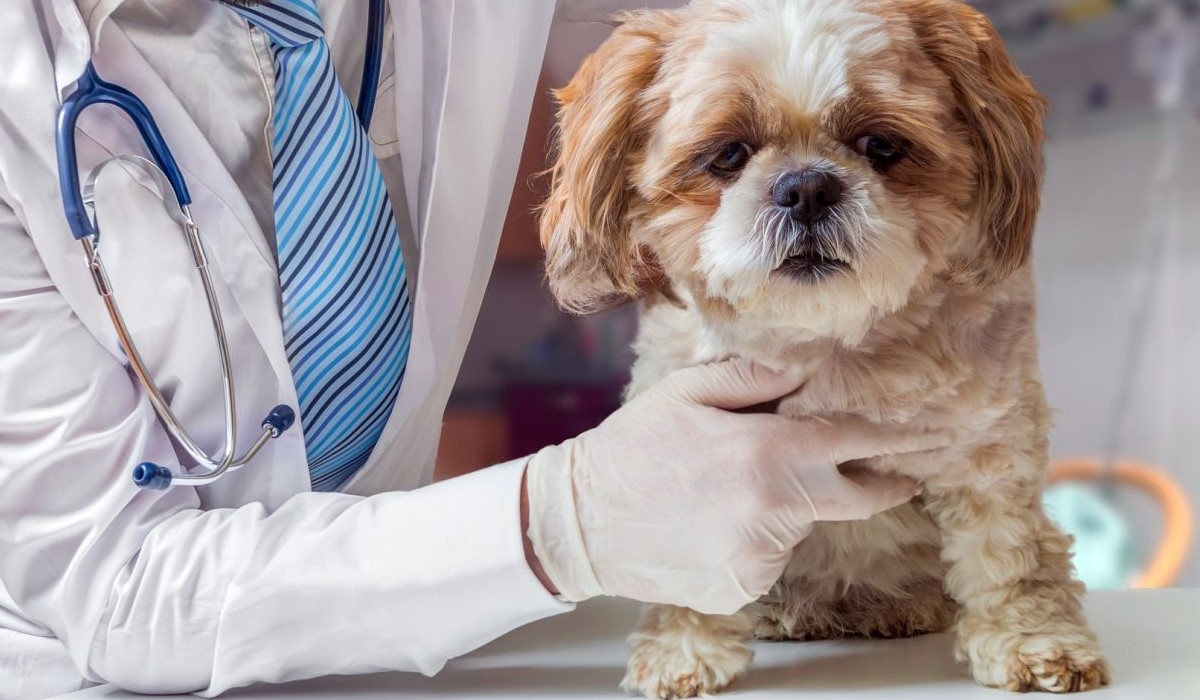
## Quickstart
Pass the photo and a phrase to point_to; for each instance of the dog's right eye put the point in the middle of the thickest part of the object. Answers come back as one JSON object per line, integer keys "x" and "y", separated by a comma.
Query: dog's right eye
{"x": 731, "y": 159}
{"x": 883, "y": 153}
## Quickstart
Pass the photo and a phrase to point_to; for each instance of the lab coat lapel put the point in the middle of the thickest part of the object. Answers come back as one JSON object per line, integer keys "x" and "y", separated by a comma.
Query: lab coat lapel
{"x": 413, "y": 66}
{"x": 466, "y": 73}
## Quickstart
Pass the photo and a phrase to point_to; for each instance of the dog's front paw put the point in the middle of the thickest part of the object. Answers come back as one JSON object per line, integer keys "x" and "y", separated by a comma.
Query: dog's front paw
{"x": 1044, "y": 663}
{"x": 677, "y": 653}
{"x": 1067, "y": 660}
{"x": 665, "y": 672}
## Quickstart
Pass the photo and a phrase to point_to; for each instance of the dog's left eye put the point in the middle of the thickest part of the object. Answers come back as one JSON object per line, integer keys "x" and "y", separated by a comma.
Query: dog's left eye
{"x": 731, "y": 159}
{"x": 880, "y": 151}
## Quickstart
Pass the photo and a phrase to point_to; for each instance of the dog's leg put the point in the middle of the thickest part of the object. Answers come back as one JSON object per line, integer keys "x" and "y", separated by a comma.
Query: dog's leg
{"x": 1021, "y": 624}
{"x": 680, "y": 653}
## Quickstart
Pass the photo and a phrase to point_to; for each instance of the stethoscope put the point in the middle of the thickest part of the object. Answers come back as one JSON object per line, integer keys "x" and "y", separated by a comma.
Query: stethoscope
{"x": 79, "y": 206}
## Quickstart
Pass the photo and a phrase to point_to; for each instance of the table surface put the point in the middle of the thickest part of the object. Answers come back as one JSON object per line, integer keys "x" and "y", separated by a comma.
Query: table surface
{"x": 1152, "y": 639}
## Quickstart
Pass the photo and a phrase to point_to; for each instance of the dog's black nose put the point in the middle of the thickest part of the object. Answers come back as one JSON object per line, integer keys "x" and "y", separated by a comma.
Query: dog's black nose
{"x": 808, "y": 195}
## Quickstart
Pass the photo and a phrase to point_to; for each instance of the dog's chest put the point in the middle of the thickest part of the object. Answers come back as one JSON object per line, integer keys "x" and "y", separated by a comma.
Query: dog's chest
{"x": 949, "y": 378}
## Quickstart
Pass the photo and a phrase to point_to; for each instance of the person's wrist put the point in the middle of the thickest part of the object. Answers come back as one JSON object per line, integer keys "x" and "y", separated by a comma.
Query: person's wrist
{"x": 535, "y": 564}
{"x": 553, "y": 528}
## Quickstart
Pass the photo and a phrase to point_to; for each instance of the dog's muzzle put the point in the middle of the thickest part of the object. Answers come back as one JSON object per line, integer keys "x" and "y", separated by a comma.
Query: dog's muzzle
{"x": 807, "y": 199}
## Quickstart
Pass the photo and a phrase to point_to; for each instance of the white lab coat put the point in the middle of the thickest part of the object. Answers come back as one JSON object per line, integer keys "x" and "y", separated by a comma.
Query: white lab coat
{"x": 253, "y": 578}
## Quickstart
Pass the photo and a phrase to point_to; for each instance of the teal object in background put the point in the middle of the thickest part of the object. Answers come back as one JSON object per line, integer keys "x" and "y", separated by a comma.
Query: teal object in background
{"x": 1104, "y": 549}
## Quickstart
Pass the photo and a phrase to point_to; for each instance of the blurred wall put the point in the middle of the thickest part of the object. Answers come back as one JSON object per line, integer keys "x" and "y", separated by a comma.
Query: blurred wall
{"x": 1093, "y": 250}
{"x": 1090, "y": 245}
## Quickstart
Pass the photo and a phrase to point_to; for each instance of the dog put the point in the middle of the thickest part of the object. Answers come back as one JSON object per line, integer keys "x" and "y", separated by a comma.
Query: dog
{"x": 851, "y": 186}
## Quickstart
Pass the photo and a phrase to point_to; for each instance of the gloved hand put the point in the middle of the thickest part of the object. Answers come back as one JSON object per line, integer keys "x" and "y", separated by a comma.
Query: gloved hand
{"x": 673, "y": 499}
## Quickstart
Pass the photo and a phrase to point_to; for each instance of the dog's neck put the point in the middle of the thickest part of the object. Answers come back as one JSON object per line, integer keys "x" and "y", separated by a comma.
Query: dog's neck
{"x": 947, "y": 337}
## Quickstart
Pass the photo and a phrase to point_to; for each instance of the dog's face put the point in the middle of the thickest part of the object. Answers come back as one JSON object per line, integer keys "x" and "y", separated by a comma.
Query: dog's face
{"x": 795, "y": 164}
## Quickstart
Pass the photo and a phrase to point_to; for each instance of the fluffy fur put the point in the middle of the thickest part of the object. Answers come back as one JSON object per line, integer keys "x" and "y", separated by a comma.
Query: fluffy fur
{"x": 912, "y": 298}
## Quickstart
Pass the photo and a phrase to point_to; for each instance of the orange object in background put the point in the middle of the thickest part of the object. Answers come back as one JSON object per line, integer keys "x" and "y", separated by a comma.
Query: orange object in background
{"x": 1176, "y": 539}
{"x": 470, "y": 440}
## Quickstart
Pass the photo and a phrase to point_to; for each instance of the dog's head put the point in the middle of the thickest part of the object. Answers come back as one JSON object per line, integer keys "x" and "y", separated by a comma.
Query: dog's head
{"x": 801, "y": 163}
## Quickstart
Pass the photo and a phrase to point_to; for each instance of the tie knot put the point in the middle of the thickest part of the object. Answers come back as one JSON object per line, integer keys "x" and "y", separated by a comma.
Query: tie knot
{"x": 287, "y": 22}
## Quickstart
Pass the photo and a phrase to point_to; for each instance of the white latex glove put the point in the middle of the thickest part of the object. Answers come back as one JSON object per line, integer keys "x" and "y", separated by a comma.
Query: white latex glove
{"x": 674, "y": 500}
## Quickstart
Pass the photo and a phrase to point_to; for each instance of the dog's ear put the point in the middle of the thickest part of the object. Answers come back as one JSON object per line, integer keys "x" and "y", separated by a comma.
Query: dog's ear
{"x": 1004, "y": 114}
{"x": 591, "y": 261}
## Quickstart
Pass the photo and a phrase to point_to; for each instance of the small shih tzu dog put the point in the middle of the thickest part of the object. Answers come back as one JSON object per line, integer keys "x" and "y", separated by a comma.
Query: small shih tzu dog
{"x": 850, "y": 185}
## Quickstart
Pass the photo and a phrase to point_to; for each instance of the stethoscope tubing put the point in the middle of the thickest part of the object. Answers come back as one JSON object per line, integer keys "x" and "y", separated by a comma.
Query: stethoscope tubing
{"x": 148, "y": 474}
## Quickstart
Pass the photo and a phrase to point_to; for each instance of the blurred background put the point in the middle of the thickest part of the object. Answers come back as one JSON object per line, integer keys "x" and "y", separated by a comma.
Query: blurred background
{"x": 1117, "y": 259}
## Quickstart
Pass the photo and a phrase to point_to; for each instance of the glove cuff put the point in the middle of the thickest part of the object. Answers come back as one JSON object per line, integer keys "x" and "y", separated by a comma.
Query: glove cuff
{"x": 554, "y": 524}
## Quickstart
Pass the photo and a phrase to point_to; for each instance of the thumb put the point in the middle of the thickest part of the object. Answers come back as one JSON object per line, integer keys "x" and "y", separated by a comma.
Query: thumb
{"x": 732, "y": 384}
{"x": 870, "y": 492}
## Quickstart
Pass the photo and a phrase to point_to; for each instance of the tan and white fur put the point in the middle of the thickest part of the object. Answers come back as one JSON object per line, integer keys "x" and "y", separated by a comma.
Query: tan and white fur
{"x": 907, "y": 290}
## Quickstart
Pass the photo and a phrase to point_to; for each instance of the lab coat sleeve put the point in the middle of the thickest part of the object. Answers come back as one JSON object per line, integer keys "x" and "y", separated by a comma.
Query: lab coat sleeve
{"x": 150, "y": 592}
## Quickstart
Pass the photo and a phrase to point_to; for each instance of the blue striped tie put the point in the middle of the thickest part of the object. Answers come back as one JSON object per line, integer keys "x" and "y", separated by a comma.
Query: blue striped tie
{"x": 346, "y": 315}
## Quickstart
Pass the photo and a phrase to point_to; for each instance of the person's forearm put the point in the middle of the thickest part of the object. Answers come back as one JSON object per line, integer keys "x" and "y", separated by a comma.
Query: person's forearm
{"x": 325, "y": 584}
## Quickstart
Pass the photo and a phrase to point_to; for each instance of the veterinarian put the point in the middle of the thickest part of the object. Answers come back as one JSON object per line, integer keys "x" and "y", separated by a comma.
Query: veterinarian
{"x": 328, "y": 552}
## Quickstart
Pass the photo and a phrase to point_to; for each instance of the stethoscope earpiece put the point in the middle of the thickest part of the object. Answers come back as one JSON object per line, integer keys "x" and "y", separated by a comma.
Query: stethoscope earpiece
{"x": 151, "y": 476}
{"x": 279, "y": 420}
